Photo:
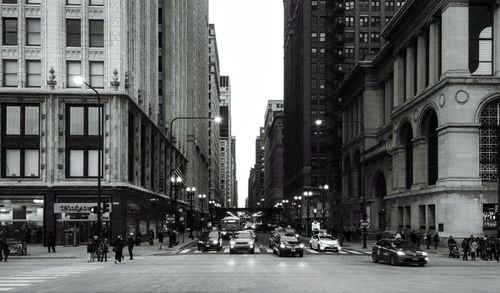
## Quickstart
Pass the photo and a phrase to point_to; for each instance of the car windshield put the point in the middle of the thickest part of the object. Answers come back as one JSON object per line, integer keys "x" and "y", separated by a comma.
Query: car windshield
{"x": 289, "y": 239}
{"x": 327, "y": 238}
{"x": 242, "y": 235}
{"x": 402, "y": 244}
{"x": 213, "y": 234}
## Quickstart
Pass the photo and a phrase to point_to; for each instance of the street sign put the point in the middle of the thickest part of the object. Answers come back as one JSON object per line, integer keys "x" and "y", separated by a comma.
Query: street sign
{"x": 315, "y": 225}
{"x": 365, "y": 224}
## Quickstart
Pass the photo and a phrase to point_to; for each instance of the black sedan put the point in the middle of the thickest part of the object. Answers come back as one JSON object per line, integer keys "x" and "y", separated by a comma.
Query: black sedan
{"x": 210, "y": 240}
{"x": 398, "y": 251}
{"x": 288, "y": 244}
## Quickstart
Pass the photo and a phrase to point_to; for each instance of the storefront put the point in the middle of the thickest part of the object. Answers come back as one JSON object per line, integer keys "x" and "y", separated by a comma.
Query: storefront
{"x": 75, "y": 223}
{"x": 21, "y": 218}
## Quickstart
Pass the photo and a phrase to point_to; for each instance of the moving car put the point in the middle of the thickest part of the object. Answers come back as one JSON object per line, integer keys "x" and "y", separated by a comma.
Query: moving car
{"x": 398, "y": 251}
{"x": 241, "y": 241}
{"x": 210, "y": 240}
{"x": 324, "y": 242}
{"x": 288, "y": 244}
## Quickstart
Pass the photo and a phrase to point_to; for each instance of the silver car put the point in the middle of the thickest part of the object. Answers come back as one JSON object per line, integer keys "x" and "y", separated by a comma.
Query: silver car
{"x": 242, "y": 241}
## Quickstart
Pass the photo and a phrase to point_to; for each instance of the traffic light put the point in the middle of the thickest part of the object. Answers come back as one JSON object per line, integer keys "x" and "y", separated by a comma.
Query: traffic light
{"x": 105, "y": 207}
{"x": 94, "y": 209}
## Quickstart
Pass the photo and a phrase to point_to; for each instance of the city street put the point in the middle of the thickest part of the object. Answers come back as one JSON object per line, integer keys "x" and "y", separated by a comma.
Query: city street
{"x": 246, "y": 273}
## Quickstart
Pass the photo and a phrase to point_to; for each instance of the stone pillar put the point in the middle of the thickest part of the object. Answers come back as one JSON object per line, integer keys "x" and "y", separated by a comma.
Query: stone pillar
{"x": 419, "y": 163}
{"x": 455, "y": 38}
{"x": 410, "y": 72}
{"x": 399, "y": 82}
{"x": 434, "y": 58}
{"x": 370, "y": 108}
{"x": 422, "y": 62}
{"x": 398, "y": 168}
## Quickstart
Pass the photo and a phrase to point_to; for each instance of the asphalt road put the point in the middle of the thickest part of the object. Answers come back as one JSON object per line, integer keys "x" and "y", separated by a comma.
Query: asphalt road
{"x": 247, "y": 273}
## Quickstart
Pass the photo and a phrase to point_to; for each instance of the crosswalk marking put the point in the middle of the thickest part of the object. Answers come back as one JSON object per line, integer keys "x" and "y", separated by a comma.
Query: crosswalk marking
{"x": 352, "y": 251}
{"x": 226, "y": 250}
{"x": 6, "y": 289}
{"x": 342, "y": 252}
{"x": 269, "y": 250}
{"x": 367, "y": 252}
{"x": 311, "y": 251}
{"x": 257, "y": 250}
{"x": 14, "y": 284}
{"x": 212, "y": 251}
{"x": 329, "y": 252}
{"x": 185, "y": 251}
{"x": 197, "y": 251}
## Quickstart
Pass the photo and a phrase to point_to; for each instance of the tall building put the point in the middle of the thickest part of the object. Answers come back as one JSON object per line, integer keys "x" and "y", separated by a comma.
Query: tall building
{"x": 213, "y": 111}
{"x": 227, "y": 163}
{"x": 426, "y": 156}
{"x": 273, "y": 158}
{"x": 143, "y": 66}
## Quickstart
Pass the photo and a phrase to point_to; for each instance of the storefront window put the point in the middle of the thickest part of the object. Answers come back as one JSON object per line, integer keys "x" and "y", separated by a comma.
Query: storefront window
{"x": 21, "y": 218}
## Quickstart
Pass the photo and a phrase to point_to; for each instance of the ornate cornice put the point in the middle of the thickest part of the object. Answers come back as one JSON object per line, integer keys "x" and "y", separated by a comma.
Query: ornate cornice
{"x": 455, "y": 3}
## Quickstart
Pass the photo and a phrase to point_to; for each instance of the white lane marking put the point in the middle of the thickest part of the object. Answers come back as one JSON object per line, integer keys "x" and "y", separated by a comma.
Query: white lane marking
{"x": 311, "y": 251}
{"x": 14, "y": 284}
{"x": 212, "y": 251}
{"x": 6, "y": 289}
{"x": 342, "y": 252}
{"x": 2, "y": 280}
{"x": 256, "y": 250}
{"x": 366, "y": 252}
{"x": 329, "y": 252}
{"x": 353, "y": 252}
{"x": 185, "y": 251}
{"x": 226, "y": 250}
{"x": 269, "y": 250}
{"x": 28, "y": 277}
{"x": 197, "y": 251}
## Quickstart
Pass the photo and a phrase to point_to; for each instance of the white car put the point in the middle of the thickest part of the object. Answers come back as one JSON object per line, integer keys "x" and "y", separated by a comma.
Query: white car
{"x": 324, "y": 242}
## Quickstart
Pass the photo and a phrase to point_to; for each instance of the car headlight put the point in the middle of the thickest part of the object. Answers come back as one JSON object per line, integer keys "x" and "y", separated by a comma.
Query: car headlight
{"x": 253, "y": 226}
{"x": 200, "y": 242}
{"x": 282, "y": 245}
{"x": 250, "y": 242}
{"x": 301, "y": 245}
{"x": 224, "y": 232}
{"x": 297, "y": 235}
{"x": 215, "y": 242}
{"x": 400, "y": 253}
{"x": 232, "y": 242}
{"x": 424, "y": 253}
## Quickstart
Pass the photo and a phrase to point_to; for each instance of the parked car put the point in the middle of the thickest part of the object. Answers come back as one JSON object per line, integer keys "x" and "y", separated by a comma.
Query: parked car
{"x": 398, "y": 251}
{"x": 288, "y": 244}
{"x": 241, "y": 241}
{"x": 324, "y": 242}
{"x": 210, "y": 240}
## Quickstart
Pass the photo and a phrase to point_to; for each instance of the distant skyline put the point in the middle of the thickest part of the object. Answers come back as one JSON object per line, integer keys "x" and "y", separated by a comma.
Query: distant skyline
{"x": 250, "y": 44}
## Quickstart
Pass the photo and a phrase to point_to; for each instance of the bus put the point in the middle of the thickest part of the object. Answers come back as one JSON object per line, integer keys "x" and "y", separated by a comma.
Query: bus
{"x": 229, "y": 225}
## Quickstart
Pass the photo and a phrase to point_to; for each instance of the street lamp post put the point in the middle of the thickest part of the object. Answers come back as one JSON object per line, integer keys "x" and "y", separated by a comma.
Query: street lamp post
{"x": 284, "y": 202}
{"x": 324, "y": 190}
{"x": 315, "y": 211}
{"x": 190, "y": 193}
{"x": 80, "y": 80}
{"x": 176, "y": 181}
{"x": 298, "y": 200}
{"x": 307, "y": 196}
{"x": 202, "y": 198}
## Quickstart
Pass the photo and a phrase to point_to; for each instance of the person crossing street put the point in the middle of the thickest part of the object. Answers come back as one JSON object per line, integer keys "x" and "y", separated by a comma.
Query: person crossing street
{"x": 130, "y": 244}
{"x": 118, "y": 248}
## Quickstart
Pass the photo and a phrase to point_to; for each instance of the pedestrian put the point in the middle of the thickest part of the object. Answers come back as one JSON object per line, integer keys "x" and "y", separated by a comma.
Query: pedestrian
{"x": 436, "y": 240}
{"x": 103, "y": 251}
{"x": 160, "y": 238}
{"x": 130, "y": 244}
{"x": 118, "y": 248}
{"x": 473, "y": 249}
{"x": 497, "y": 249}
{"x": 479, "y": 252}
{"x": 96, "y": 242}
{"x": 428, "y": 239}
{"x": 51, "y": 242}
{"x": 465, "y": 248}
{"x": 151, "y": 237}
{"x": 90, "y": 251}
{"x": 3, "y": 243}
{"x": 138, "y": 239}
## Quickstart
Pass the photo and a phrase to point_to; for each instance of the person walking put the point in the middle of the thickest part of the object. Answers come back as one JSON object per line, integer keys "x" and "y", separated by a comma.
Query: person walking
{"x": 51, "y": 242}
{"x": 103, "y": 251}
{"x": 465, "y": 248}
{"x": 436, "y": 240}
{"x": 4, "y": 247}
{"x": 428, "y": 239}
{"x": 473, "y": 249}
{"x": 118, "y": 248}
{"x": 130, "y": 244}
{"x": 90, "y": 251}
{"x": 160, "y": 238}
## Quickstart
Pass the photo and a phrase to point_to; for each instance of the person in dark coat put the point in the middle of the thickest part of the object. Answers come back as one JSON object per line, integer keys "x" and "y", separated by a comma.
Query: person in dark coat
{"x": 428, "y": 239}
{"x": 90, "y": 250}
{"x": 160, "y": 238}
{"x": 51, "y": 241}
{"x": 3, "y": 244}
{"x": 436, "y": 240}
{"x": 138, "y": 239}
{"x": 466, "y": 249}
{"x": 118, "y": 248}
{"x": 130, "y": 244}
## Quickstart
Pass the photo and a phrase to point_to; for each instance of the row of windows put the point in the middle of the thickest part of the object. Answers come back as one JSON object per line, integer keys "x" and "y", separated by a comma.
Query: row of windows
{"x": 364, "y": 21}
{"x": 73, "y": 32}
{"x": 33, "y": 73}
{"x": 68, "y": 2}
{"x": 375, "y": 5}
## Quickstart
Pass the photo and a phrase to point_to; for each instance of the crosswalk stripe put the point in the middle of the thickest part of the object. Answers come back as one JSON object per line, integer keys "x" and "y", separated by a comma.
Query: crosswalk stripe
{"x": 14, "y": 284}
{"x": 212, "y": 251}
{"x": 269, "y": 250}
{"x": 197, "y": 251}
{"x": 226, "y": 250}
{"x": 367, "y": 252}
{"x": 28, "y": 277}
{"x": 353, "y": 252}
{"x": 256, "y": 250}
{"x": 185, "y": 251}
{"x": 2, "y": 280}
{"x": 6, "y": 289}
{"x": 342, "y": 252}
{"x": 310, "y": 250}
{"x": 329, "y": 252}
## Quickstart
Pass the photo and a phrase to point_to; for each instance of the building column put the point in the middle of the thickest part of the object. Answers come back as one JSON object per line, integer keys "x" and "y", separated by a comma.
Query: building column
{"x": 422, "y": 62}
{"x": 434, "y": 58}
{"x": 388, "y": 100}
{"x": 399, "y": 82}
{"x": 496, "y": 39}
{"x": 398, "y": 166}
{"x": 410, "y": 72}
{"x": 455, "y": 38}
{"x": 419, "y": 163}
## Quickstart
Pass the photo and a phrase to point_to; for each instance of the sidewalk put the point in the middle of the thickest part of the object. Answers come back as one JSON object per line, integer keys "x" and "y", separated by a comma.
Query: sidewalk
{"x": 37, "y": 251}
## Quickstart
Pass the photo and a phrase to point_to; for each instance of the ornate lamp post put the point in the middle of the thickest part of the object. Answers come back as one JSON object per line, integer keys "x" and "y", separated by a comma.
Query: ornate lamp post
{"x": 176, "y": 182}
{"x": 307, "y": 195}
{"x": 298, "y": 200}
{"x": 284, "y": 202}
{"x": 190, "y": 194}
{"x": 202, "y": 198}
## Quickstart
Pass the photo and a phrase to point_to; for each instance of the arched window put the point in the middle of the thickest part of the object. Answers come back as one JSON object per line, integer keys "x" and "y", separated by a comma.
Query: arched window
{"x": 406, "y": 139}
{"x": 348, "y": 174}
{"x": 430, "y": 131}
{"x": 489, "y": 119}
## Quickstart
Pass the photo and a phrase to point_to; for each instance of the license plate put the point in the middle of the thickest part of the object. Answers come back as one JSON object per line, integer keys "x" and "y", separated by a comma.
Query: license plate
{"x": 415, "y": 259}
{"x": 293, "y": 249}
{"x": 208, "y": 245}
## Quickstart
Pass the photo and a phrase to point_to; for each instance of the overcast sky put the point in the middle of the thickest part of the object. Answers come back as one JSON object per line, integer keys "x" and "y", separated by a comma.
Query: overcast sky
{"x": 250, "y": 44}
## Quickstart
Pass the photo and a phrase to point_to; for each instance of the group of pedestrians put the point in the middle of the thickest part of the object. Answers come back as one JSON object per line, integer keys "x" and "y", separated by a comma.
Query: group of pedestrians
{"x": 485, "y": 248}
{"x": 97, "y": 249}
{"x": 4, "y": 248}
{"x": 119, "y": 244}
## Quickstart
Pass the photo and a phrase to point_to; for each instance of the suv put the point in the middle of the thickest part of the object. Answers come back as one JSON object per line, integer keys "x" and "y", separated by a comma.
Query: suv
{"x": 210, "y": 240}
{"x": 288, "y": 244}
{"x": 242, "y": 241}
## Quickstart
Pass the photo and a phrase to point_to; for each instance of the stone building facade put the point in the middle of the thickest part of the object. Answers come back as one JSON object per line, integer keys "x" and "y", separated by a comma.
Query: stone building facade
{"x": 423, "y": 156}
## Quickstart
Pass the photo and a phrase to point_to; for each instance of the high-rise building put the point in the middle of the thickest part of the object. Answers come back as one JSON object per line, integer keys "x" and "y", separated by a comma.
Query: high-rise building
{"x": 213, "y": 111}
{"x": 273, "y": 158}
{"x": 227, "y": 155}
{"x": 258, "y": 169}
